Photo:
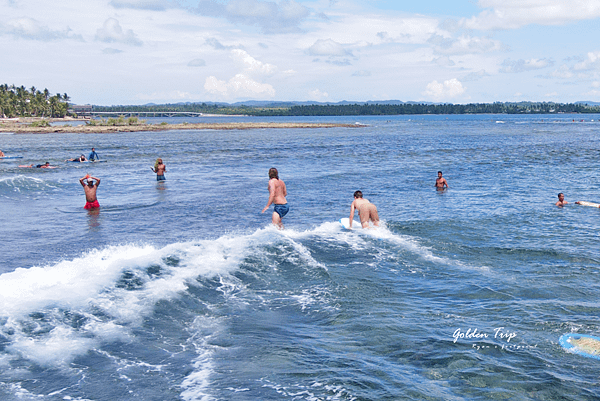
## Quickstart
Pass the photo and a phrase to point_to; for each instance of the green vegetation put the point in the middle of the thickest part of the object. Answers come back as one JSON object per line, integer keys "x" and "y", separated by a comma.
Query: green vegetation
{"x": 22, "y": 102}
{"x": 41, "y": 123}
{"x": 474, "y": 108}
{"x": 113, "y": 122}
{"x": 366, "y": 109}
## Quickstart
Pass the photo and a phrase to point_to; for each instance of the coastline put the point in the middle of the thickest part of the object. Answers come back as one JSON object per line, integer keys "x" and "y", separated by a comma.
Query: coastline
{"x": 23, "y": 126}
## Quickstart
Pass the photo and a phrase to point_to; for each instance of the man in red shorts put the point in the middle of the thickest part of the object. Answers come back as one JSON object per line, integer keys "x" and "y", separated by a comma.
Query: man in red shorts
{"x": 90, "y": 191}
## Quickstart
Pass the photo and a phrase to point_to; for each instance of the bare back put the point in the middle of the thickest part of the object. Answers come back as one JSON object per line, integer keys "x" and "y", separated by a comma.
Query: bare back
{"x": 277, "y": 191}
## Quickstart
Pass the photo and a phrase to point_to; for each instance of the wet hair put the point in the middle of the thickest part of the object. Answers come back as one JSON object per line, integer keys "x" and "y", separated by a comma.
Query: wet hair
{"x": 273, "y": 173}
{"x": 559, "y": 194}
{"x": 358, "y": 194}
{"x": 439, "y": 172}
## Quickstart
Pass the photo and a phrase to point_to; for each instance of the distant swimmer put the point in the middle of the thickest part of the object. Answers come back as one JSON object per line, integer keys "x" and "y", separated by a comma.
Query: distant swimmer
{"x": 93, "y": 155}
{"x": 277, "y": 194}
{"x": 366, "y": 210}
{"x": 441, "y": 182}
{"x": 561, "y": 200}
{"x": 2, "y": 154}
{"x": 77, "y": 159}
{"x": 45, "y": 165}
{"x": 159, "y": 168}
{"x": 90, "y": 191}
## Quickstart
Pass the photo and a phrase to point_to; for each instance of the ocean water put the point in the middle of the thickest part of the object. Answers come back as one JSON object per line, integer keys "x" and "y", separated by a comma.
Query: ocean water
{"x": 182, "y": 290}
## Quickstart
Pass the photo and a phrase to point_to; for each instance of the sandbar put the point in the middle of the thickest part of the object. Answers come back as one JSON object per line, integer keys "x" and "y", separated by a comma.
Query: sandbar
{"x": 23, "y": 126}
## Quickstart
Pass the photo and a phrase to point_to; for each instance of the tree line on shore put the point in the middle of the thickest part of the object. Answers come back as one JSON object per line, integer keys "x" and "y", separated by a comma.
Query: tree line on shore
{"x": 22, "y": 102}
{"x": 366, "y": 109}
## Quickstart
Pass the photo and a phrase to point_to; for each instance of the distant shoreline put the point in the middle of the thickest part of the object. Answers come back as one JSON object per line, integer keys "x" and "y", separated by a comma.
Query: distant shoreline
{"x": 23, "y": 126}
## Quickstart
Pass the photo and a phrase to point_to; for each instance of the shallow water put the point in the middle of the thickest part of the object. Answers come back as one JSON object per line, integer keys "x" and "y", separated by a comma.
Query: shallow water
{"x": 183, "y": 291}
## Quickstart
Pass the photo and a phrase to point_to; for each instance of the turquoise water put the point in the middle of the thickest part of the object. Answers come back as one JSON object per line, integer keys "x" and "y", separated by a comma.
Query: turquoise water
{"x": 183, "y": 291}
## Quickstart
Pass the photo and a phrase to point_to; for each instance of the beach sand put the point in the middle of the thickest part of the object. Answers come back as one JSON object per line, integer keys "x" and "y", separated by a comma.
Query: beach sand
{"x": 23, "y": 126}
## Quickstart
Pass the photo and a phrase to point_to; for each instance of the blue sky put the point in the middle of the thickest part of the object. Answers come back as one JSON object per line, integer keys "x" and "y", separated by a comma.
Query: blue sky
{"x": 114, "y": 52}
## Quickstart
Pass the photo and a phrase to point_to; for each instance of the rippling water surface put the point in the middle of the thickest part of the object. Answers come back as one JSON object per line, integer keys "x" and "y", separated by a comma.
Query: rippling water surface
{"x": 182, "y": 290}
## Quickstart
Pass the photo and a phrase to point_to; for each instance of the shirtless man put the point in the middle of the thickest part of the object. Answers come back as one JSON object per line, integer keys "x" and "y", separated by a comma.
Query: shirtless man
{"x": 277, "y": 194}
{"x": 366, "y": 210}
{"x": 2, "y": 154}
{"x": 561, "y": 200}
{"x": 159, "y": 168}
{"x": 440, "y": 182}
{"x": 90, "y": 191}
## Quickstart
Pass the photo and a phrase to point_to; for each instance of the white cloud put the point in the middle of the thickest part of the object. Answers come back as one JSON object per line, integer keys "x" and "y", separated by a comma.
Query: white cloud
{"x": 29, "y": 28}
{"x": 240, "y": 86}
{"x": 516, "y": 66}
{"x": 362, "y": 73}
{"x": 317, "y": 95}
{"x": 251, "y": 65}
{"x": 327, "y": 48}
{"x": 444, "y": 61}
{"x": 587, "y": 68}
{"x": 216, "y": 44}
{"x": 464, "y": 44}
{"x": 156, "y": 5}
{"x": 110, "y": 50}
{"x": 198, "y": 62}
{"x": 451, "y": 88}
{"x": 563, "y": 72}
{"x": 513, "y": 14}
{"x": 244, "y": 84}
{"x": 271, "y": 17}
{"x": 475, "y": 76}
{"x": 591, "y": 62}
{"x": 111, "y": 32}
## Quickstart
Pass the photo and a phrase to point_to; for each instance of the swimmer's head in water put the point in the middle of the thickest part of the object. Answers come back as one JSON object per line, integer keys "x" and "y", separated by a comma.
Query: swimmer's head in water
{"x": 358, "y": 194}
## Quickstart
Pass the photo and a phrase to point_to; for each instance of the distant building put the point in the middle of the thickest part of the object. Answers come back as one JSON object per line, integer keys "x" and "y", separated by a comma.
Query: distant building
{"x": 82, "y": 110}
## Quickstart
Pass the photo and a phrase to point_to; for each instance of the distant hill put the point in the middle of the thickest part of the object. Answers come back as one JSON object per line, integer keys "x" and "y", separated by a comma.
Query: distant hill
{"x": 276, "y": 104}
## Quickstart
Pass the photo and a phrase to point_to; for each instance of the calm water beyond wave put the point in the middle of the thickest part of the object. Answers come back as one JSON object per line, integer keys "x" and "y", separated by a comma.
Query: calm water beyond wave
{"x": 183, "y": 291}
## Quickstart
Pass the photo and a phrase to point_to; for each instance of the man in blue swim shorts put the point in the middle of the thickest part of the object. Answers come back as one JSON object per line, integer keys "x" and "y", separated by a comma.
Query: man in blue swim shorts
{"x": 281, "y": 210}
{"x": 277, "y": 194}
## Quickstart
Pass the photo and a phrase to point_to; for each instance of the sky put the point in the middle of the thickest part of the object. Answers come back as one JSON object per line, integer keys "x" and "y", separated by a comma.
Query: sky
{"x": 125, "y": 52}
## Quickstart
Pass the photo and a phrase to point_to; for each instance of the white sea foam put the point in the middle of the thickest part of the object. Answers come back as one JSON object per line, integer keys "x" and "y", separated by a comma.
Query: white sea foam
{"x": 21, "y": 182}
{"x": 356, "y": 240}
{"x": 38, "y": 305}
{"x": 35, "y": 301}
{"x": 196, "y": 383}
